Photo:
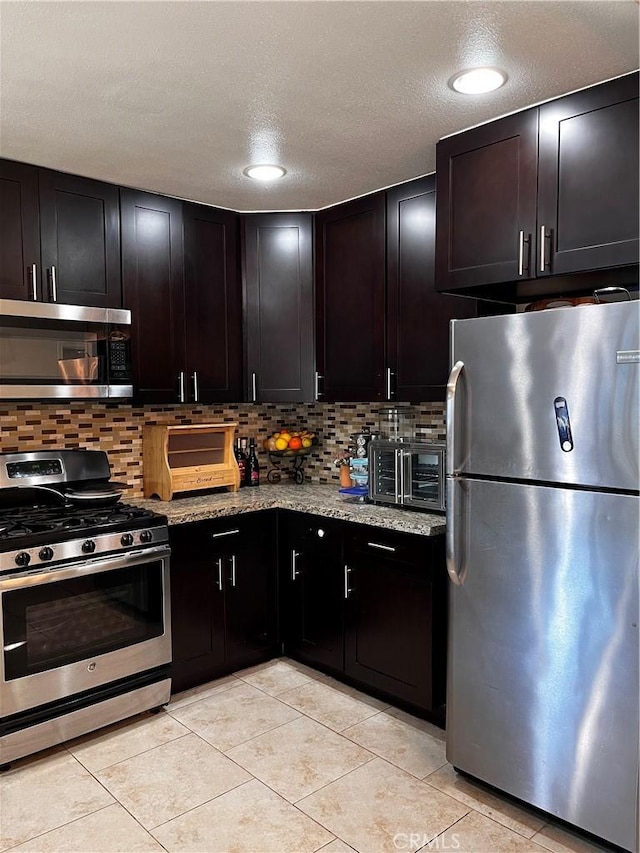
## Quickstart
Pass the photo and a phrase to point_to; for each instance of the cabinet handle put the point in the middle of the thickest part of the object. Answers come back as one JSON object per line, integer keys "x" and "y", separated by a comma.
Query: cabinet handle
{"x": 34, "y": 283}
{"x": 347, "y": 588}
{"x": 225, "y": 533}
{"x": 389, "y": 375}
{"x": 543, "y": 255}
{"x": 181, "y": 396}
{"x": 294, "y": 567}
{"x": 522, "y": 242}
{"x": 220, "y": 573}
{"x": 54, "y": 285}
{"x": 196, "y": 389}
{"x": 316, "y": 385}
{"x": 381, "y": 547}
{"x": 233, "y": 570}
{"x": 254, "y": 391}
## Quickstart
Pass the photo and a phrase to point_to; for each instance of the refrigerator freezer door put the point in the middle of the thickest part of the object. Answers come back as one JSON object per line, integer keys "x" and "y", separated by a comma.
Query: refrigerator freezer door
{"x": 543, "y": 651}
{"x": 550, "y": 396}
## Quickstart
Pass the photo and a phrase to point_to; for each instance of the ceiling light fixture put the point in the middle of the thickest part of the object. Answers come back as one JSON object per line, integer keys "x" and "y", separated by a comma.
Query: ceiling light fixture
{"x": 264, "y": 172}
{"x": 478, "y": 81}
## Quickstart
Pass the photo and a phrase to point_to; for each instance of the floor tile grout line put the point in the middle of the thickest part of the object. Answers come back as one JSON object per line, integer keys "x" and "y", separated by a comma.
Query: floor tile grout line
{"x": 483, "y": 813}
{"x": 61, "y": 826}
{"x": 430, "y": 845}
{"x": 199, "y": 805}
{"x": 136, "y": 754}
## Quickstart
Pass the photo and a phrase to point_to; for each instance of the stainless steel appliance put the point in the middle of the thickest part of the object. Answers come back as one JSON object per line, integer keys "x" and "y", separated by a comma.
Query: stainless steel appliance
{"x": 407, "y": 473}
{"x": 84, "y": 602}
{"x": 51, "y": 350}
{"x": 542, "y": 551}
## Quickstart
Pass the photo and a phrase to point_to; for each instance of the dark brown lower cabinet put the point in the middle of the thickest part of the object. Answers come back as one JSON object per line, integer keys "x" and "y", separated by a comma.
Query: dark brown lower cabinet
{"x": 223, "y": 596}
{"x": 360, "y": 602}
{"x": 312, "y": 592}
{"x": 395, "y": 615}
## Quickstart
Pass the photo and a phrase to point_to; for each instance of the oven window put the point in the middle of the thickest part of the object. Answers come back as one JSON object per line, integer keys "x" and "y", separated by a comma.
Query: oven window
{"x": 61, "y": 622}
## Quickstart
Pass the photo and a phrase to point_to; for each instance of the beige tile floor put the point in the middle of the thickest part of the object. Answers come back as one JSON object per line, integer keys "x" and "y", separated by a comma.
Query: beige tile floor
{"x": 275, "y": 759}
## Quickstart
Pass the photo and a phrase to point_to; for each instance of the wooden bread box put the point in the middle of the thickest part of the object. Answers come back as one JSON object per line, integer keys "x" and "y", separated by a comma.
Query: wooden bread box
{"x": 187, "y": 458}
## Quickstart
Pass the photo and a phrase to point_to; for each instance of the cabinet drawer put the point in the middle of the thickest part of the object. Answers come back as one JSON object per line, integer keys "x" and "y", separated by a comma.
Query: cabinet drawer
{"x": 377, "y": 542}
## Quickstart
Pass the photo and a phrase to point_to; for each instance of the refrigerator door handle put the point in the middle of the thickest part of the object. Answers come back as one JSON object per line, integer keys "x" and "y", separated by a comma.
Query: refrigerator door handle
{"x": 452, "y": 387}
{"x": 456, "y": 568}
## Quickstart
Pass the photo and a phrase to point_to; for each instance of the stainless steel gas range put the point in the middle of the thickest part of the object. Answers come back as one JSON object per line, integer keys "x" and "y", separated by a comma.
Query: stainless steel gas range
{"x": 84, "y": 601}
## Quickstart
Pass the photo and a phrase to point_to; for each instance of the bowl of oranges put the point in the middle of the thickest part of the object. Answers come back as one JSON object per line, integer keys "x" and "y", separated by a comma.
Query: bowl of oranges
{"x": 290, "y": 442}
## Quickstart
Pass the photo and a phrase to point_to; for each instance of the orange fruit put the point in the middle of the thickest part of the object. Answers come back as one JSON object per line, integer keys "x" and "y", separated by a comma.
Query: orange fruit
{"x": 295, "y": 443}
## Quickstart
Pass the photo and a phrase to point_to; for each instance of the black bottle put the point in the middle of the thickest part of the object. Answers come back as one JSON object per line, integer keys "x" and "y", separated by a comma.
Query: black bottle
{"x": 241, "y": 459}
{"x": 253, "y": 468}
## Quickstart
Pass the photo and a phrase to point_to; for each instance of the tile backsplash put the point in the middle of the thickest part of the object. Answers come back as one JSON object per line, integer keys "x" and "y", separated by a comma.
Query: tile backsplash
{"x": 117, "y": 429}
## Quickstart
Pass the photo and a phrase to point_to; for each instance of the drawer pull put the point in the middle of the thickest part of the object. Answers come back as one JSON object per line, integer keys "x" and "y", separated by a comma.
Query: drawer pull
{"x": 294, "y": 568}
{"x": 381, "y": 547}
{"x": 224, "y": 533}
{"x": 347, "y": 588}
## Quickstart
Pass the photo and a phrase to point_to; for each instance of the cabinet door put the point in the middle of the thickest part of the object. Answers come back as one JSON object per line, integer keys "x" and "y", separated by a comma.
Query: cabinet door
{"x": 80, "y": 237}
{"x": 213, "y": 311}
{"x": 152, "y": 273}
{"x": 588, "y": 179}
{"x": 388, "y": 617}
{"x": 250, "y": 592}
{"x": 312, "y": 582}
{"x": 20, "y": 230}
{"x": 417, "y": 316}
{"x": 278, "y": 283}
{"x": 350, "y": 294}
{"x": 197, "y": 613}
{"x": 486, "y": 203}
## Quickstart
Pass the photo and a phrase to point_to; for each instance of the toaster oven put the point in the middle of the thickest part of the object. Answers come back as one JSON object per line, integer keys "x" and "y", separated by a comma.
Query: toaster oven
{"x": 407, "y": 473}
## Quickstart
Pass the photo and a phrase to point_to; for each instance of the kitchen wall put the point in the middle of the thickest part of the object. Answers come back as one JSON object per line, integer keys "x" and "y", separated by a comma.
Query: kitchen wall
{"x": 117, "y": 429}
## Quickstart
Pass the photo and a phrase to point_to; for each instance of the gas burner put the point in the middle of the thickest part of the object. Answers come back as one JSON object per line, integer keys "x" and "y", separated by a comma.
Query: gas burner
{"x": 10, "y": 529}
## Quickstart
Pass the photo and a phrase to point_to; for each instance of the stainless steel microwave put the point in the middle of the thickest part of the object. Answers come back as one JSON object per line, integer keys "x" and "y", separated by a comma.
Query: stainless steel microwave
{"x": 56, "y": 351}
{"x": 407, "y": 473}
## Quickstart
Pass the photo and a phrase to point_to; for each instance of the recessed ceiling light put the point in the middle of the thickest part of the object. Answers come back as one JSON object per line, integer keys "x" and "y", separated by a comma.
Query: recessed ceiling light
{"x": 477, "y": 81}
{"x": 264, "y": 172}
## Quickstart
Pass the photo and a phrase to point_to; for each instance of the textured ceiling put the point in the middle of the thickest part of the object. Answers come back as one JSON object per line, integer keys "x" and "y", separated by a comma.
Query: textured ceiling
{"x": 179, "y": 97}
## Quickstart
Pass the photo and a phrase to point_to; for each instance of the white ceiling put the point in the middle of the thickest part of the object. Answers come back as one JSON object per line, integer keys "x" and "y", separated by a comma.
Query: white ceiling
{"x": 178, "y": 97}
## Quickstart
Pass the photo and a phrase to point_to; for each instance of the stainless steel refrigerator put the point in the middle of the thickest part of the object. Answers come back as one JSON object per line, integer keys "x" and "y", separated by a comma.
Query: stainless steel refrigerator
{"x": 542, "y": 551}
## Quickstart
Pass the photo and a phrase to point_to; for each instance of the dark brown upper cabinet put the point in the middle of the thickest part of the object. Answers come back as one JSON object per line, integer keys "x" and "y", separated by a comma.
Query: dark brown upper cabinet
{"x": 80, "y": 238}
{"x": 20, "y": 230}
{"x": 181, "y": 282}
{"x": 278, "y": 306}
{"x": 350, "y": 300}
{"x": 153, "y": 285}
{"x": 417, "y": 316}
{"x": 588, "y": 179}
{"x": 528, "y": 201}
{"x": 213, "y": 305}
{"x": 486, "y": 205}
{"x": 60, "y": 237}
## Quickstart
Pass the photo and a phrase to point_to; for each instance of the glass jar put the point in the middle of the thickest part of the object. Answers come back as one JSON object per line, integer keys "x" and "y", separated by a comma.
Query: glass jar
{"x": 396, "y": 423}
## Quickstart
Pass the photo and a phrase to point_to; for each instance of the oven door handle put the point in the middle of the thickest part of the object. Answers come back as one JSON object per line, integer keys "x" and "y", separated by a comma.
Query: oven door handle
{"x": 87, "y": 567}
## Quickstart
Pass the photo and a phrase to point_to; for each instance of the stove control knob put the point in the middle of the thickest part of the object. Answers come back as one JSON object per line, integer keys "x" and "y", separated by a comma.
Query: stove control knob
{"x": 146, "y": 536}
{"x": 23, "y": 559}
{"x": 46, "y": 553}
{"x": 126, "y": 539}
{"x": 89, "y": 546}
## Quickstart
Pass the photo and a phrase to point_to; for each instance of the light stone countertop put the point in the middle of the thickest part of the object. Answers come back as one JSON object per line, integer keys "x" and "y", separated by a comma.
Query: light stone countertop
{"x": 323, "y": 500}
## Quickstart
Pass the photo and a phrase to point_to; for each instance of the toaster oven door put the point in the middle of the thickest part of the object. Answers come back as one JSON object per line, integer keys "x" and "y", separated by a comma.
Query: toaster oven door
{"x": 384, "y": 473}
{"x": 423, "y": 478}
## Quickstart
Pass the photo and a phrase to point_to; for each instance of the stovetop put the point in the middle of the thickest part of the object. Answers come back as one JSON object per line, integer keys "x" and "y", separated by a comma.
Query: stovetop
{"x": 25, "y": 527}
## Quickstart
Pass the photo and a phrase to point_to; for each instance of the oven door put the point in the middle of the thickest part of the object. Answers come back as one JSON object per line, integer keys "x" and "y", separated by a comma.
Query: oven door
{"x": 74, "y": 628}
